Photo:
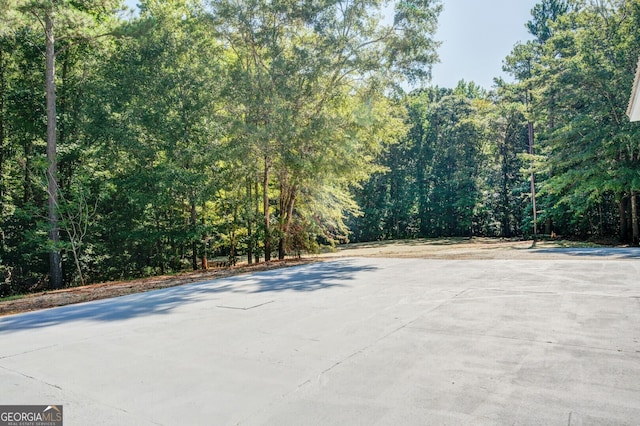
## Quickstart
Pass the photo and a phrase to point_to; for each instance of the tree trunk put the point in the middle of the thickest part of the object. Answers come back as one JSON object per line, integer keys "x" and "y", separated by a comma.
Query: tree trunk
{"x": 265, "y": 207}
{"x": 622, "y": 217}
{"x": 194, "y": 243}
{"x": 506, "y": 222}
{"x": 3, "y": 92}
{"x": 257, "y": 215}
{"x": 292, "y": 202}
{"x": 533, "y": 184}
{"x": 76, "y": 257}
{"x": 284, "y": 196}
{"x": 249, "y": 224}
{"x": 635, "y": 226}
{"x": 55, "y": 259}
{"x": 204, "y": 262}
{"x": 233, "y": 243}
{"x": 288, "y": 208}
{"x": 159, "y": 245}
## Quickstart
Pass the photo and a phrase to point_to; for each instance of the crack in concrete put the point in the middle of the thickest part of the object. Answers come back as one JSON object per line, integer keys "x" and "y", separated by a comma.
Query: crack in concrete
{"x": 30, "y": 377}
{"x": 522, "y": 339}
{"x": 28, "y": 352}
{"x": 240, "y": 308}
{"x": 84, "y": 396}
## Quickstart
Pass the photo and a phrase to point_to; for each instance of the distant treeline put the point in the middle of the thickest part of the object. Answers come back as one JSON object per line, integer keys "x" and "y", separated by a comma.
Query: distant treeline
{"x": 465, "y": 166}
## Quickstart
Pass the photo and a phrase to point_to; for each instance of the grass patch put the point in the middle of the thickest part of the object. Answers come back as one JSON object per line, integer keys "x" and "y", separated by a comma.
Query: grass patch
{"x": 10, "y": 298}
{"x": 575, "y": 244}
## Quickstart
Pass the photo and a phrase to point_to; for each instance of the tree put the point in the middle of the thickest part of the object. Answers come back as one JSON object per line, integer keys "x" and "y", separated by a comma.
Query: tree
{"x": 543, "y": 15}
{"x": 521, "y": 62}
{"x": 70, "y": 22}
{"x": 582, "y": 72}
{"x": 160, "y": 99}
{"x": 296, "y": 66}
{"x": 509, "y": 130}
{"x": 437, "y": 180}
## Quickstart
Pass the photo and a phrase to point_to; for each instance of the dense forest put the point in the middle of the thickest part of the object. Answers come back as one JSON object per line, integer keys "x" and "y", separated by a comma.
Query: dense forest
{"x": 467, "y": 163}
{"x": 134, "y": 144}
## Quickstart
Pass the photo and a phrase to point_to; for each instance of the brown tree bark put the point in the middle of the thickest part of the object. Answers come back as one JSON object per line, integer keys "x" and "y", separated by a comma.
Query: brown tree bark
{"x": 3, "y": 91}
{"x": 288, "y": 198}
{"x": 622, "y": 218}
{"x": 265, "y": 207}
{"x": 194, "y": 243}
{"x": 249, "y": 225}
{"x": 55, "y": 259}
{"x": 533, "y": 184}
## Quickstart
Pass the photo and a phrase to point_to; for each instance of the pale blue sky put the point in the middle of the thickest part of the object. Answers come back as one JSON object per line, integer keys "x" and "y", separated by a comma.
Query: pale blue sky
{"x": 476, "y": 36}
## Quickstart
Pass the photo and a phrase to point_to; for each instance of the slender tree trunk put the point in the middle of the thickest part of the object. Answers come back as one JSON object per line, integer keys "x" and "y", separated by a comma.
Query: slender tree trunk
{"x": 292, "y": 202}
{"x": 205, "y": 263}
{"x": 234, "y": 244}
{"x": 265, "y": 207}
{"x": 635, "y": 226}
{"x": 287, "y": 206}
{"x": 194, "y": 243}
{"x": 530, "y": 131}
{"x": 257, "y": 215}
{"x": 249, "y": 224}
{"x": 284, "y": 195}
{"x": 281, "y": 249}
{"x": 3, "y": 92}
{"x": 76, "y": 257}
{"x": 506, "y": 223}
{"x": 159, "y": 245}
{"x": 622, "y": 217}
{"x": 533, "y": 184}
{"x": 55, "y": 259}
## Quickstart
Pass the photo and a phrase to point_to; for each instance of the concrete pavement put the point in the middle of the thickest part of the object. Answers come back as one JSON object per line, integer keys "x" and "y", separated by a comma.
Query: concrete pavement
{"x": 350, "y": 341}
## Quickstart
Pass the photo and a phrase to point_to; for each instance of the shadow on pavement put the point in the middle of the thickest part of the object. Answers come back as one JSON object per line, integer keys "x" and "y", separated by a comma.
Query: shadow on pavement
{"x": 306, "y": 278}
{"x": 314, "y": 277}
{"x": 417, "y": 242}
{"x": 613, "y": 252}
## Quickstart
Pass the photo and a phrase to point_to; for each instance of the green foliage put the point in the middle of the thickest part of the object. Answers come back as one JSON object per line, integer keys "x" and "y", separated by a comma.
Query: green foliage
{"x": 454, "y": 174}
{"x": 226, "y": 128}
{"x": 591, "y": 150}
{"x": 196, "y": 129}
{"x": 544, "y": 14}
{"x": 575, "y": 79}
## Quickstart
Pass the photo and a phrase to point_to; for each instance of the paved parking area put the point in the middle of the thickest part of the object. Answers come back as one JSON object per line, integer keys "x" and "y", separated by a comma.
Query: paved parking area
{"x": 346, "y": 342}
